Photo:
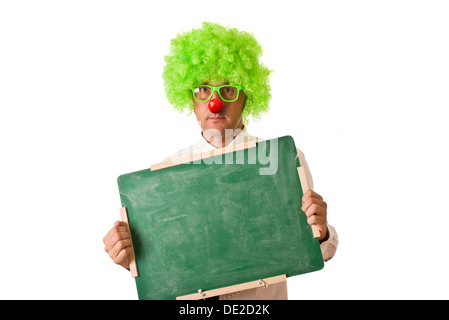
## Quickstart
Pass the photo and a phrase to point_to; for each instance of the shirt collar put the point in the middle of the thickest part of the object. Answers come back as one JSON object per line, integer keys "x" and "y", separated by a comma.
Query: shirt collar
{"x": 240, "y": 138}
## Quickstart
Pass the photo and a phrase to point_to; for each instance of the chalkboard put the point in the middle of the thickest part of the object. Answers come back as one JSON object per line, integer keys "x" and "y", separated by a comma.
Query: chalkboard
{"x": 219, "y": 221}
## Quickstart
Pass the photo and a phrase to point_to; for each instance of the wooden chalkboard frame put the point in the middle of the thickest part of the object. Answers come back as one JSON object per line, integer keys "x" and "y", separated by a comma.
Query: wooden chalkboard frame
{"x": 303, "y": 185}
{"x": 235, "y": 288}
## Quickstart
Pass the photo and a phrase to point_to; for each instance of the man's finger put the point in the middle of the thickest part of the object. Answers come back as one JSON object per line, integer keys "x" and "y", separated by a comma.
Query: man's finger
{"x": 122, "y": 255}
{"x": 313, "y": 202}
{"x": 314, "y": 209}
{"x": 116, "y": 237}
{"x": 117, "y": 228}
{"x": 312, "y": 194}
{"x": 116, "y": 252}
{"x": 316, "y": 220}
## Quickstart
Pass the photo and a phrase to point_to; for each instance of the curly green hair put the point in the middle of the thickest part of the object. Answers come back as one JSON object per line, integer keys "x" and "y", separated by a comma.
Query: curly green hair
{"x": 216, "y": 54}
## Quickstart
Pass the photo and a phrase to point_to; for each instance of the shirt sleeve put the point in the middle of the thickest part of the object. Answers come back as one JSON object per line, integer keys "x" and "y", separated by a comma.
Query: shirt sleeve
{"x": 328, "y": 247}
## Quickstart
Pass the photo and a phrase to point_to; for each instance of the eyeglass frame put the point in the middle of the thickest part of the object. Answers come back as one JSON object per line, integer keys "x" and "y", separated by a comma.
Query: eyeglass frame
{"x": 218, "y": 91}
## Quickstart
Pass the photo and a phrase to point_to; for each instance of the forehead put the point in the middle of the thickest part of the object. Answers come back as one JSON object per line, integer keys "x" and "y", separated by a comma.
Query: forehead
{"x": 216, "y": 84}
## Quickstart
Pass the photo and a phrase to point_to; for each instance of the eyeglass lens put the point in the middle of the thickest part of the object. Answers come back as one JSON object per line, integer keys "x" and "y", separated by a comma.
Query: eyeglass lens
{"x": 226, "y": 93}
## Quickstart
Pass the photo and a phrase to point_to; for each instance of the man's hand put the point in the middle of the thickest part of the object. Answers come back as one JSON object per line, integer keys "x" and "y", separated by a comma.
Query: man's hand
{"x": 118, "y": 244}
{"x": 316, "y": 211}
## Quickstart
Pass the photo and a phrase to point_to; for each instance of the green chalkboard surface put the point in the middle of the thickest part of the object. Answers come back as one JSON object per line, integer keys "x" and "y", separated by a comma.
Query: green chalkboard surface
{"x": 220, "y": 221}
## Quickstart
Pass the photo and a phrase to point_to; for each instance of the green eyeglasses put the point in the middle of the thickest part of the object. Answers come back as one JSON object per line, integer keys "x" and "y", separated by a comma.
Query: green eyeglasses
{"x": 227, "y": 92}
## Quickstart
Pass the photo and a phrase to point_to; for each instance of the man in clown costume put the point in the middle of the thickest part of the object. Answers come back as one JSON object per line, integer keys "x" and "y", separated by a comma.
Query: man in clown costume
{"x": 215, "y": 73}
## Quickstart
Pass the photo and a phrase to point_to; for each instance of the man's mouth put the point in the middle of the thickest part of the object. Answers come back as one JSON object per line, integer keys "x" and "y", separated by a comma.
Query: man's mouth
{"x": 216, "y": 118}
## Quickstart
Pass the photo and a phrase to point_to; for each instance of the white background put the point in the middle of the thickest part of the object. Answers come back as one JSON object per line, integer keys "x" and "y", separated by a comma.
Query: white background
{"x": 362, "y": 86}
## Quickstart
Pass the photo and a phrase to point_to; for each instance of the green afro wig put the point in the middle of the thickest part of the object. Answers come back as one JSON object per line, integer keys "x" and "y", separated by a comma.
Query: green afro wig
{"x": 216, "y": 54}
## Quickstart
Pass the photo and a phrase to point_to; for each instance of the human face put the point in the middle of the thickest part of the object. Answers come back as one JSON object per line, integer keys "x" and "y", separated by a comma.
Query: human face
{"x": 215, "y": 125}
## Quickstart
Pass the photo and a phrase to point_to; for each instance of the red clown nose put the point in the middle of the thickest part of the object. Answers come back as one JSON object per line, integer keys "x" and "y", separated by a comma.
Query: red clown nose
{"x": 215, "y": 105}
